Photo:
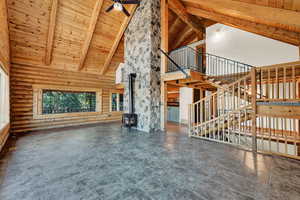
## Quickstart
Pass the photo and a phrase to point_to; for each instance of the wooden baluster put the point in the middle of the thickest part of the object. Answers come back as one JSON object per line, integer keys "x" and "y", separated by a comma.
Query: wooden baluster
{"x": 295, "y": 137}
{"x": 277, "y": 134}
{"x": 277, "y": 83}
{"x": 261, "y": 92}
{"x": 294, "y": 83}
{"x": 239, "y": 95}
{"x": 284, "y": 84}
{"x": 284, "y": 127}
{"x": 233, "y": 96}
{"x": 202, "y": 112}
{"x": 268, "y": 82}
{"x": 239, "y": 125}
{"x": 271, "y": 93}
{"x": 270, "y": 130}
{"x": 189, "y": 120}
{"x": 245, "y": 92}
{"x": 253, "y": 102}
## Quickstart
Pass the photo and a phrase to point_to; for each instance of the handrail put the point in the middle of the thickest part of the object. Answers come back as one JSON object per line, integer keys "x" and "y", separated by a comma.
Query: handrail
{"x": 220, "y": 116}
{"x": 224, "y": 88}
{"x": 178, "y": 67}
{"x": 234, "y": 97}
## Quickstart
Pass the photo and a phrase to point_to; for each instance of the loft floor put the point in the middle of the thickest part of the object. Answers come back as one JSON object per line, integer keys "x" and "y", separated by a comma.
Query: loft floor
{"x": 106, "y": 162}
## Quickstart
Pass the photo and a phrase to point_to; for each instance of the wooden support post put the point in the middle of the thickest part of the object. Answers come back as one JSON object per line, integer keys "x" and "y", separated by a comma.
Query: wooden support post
{"x": 253, "y": 102}
{"x": 164, "y": 63}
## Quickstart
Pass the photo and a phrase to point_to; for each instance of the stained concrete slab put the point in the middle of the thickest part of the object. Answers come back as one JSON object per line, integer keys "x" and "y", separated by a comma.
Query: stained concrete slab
{"x": 106, "y": 162}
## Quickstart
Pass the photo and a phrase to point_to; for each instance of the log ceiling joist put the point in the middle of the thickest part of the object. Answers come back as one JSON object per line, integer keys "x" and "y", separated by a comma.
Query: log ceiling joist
{"x": 261, "y": 29}
{"x": 174, "y": 25}
{"x": 275, "y": 17}
{"x": 196, "y": 24}
{"x": 117, "y": 40}
{"x": 182, "y": 36}
{"x": 90, "y": 33}
{"x": 51, "y": 31}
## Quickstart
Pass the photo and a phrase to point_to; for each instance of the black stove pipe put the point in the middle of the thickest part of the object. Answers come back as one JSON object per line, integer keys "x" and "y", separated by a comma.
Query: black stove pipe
{"x": 131, "y": 78}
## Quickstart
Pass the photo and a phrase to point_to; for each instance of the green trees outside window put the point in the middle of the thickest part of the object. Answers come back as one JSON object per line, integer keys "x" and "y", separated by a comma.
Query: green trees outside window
{"x": 57, "y": 102}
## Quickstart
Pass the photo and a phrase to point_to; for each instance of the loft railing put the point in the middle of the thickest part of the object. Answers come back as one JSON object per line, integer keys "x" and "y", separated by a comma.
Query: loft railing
{"x": 279, "y": 83}
{"x": 186, "y": 58}
{"x": 212, "y": 65}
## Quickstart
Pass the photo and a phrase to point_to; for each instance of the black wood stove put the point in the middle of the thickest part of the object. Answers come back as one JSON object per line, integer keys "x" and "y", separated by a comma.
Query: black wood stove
{"x": 130, "y": 119}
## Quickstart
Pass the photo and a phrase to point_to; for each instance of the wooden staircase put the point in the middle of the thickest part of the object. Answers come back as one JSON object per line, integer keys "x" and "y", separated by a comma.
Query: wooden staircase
{"x": 240, "y": 111}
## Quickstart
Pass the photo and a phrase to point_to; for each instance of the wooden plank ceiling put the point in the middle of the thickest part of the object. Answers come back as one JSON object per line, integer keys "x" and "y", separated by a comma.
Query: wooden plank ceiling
{"x": 76, "y": 35}
{"x": 73, "y": 35}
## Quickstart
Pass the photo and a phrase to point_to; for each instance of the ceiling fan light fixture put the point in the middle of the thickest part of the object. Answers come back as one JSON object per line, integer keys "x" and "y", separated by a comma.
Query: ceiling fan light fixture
{"x": 118, "y": 6}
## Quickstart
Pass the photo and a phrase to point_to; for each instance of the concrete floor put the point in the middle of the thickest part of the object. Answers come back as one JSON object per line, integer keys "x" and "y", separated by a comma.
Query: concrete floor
{"x": 105, "y": 162}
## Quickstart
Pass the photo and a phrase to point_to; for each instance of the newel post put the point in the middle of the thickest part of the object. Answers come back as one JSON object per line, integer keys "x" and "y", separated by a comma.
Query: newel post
{"x": 254, "y": 110}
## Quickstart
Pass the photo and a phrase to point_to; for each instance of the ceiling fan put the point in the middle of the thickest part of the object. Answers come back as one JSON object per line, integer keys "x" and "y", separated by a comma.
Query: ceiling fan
{"x": 118, "y": 5}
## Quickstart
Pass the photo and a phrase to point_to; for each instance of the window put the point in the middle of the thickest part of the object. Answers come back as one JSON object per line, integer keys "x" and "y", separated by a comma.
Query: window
{"x": 4, "y": 98}
{"x": 116, "y": 101}
{"x": 55, "y": 101}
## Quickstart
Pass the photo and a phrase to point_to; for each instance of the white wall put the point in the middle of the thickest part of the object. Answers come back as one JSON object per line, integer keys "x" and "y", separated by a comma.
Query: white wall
{"x": 185, "y": 98}
{"x": 119, "y": 74}
{"x": 247, "y": 47}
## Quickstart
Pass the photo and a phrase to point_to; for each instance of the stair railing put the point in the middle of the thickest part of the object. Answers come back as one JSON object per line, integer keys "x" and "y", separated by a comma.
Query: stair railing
{"x": 233, "y": 97}
{"x": 233, "y": 128}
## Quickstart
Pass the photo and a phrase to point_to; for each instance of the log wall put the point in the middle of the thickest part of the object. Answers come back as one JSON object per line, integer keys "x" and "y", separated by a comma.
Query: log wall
{"x": 23, "y": 77}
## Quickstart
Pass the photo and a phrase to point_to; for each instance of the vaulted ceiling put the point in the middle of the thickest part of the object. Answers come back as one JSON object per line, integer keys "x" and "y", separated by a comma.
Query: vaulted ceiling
{"x": 80, "y": 36}
{"x": 74, "y": 35}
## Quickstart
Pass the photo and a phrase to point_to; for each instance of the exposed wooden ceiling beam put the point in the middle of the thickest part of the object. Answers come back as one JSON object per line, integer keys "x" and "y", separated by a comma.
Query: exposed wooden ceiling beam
{"x": 182, "y": 36}
{"x": 174, "y": 25}
{"x": 177, "y": 7}
{"x": 189, "y": 40}
{"x": 90, "y": 33}
{"x": 208, "y": 22}
{"x": 261, "y": 29}
{"x": 51, "y": 31}
{"x": 280, "y": 18}
{"x": 117, "y": 40}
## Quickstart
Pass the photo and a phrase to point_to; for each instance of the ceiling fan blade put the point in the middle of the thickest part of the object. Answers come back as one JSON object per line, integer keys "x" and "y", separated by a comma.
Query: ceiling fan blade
{"x": 130, "y": 2}
{"x": 126, "y": 11}
{"x": 110, "y": 8}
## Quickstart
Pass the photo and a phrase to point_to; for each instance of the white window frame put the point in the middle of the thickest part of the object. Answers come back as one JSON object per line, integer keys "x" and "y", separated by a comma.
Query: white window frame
{"x": 38, "y": 101}
{"x": 4, "y": 98}
{"x": 118, "y": 92}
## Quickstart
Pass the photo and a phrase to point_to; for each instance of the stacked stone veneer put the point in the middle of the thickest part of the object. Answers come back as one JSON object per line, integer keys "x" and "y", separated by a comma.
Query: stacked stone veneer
{"x": 142, "y": 40}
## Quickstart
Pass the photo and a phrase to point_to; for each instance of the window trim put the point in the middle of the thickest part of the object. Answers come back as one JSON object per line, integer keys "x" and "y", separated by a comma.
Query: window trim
{"x": 38, "y": 101}
{"x": 2, "y": 66}
{"x": 118, "y": 100}
{"x": 6, "y": 89}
